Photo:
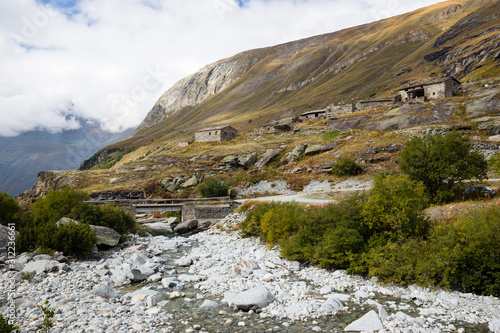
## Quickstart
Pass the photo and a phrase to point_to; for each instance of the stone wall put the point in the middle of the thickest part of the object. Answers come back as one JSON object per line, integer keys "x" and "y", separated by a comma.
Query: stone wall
{"x": 216, "y": 134}
{"x": 214, "y": 212}
{"x": 336, "y": 110}
{"x": 372, "y": 103}
{"x": 436, "y": 91}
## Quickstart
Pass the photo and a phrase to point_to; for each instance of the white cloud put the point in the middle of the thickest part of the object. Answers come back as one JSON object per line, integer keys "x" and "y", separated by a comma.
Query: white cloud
{"x": 114, "y": 58}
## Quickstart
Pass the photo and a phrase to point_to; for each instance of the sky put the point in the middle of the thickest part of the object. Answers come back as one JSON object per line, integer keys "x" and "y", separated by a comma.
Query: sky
{"x": 108, "y": 61}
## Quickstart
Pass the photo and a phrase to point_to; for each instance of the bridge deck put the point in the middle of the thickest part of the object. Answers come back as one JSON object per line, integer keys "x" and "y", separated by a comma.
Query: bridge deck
{"x": 162, "y": 205}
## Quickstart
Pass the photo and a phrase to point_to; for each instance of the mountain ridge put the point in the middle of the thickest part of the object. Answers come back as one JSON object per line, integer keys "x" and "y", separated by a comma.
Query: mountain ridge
{"x": 334, "y": 57}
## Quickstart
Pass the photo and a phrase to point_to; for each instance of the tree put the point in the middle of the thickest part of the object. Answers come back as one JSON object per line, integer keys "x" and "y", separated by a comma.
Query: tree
{"x": 57, "y": 204}
{"x": 395, "y": 205}
{"x": 494, "y": 163}
{"x": 442, "y": 163}
{"x": 8, "y": 209}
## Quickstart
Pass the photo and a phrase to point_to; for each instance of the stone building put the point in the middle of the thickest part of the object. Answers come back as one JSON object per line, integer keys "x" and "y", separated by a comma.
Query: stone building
{"x": 446, "y": 87}
{"x": 373, "y": 103}
{"x": 214, "y": 134}
{"x": 335, "y": 110}
{"x": 314, "y": 114}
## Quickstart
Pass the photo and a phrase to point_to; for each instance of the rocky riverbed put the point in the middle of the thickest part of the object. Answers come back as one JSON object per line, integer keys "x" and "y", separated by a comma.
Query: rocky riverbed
{"x": 216, "y": 281}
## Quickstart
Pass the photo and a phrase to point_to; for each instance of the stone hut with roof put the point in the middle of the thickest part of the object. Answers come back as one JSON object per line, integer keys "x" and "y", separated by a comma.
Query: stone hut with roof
{"x": 216, "y": 134}
{"x": 444, "y": 88}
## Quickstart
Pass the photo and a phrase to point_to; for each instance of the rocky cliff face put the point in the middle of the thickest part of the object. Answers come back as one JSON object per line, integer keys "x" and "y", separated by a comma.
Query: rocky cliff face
{"x": 49, "y": 181}
{"x": 463, "y": 48}
{"x": 196, "y": 88}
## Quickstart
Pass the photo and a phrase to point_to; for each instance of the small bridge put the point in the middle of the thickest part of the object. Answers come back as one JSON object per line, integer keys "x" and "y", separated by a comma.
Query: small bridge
{"x": 186, "y": 207}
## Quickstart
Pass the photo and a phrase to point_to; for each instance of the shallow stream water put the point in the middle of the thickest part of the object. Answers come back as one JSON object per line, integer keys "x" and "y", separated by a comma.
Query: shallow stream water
{"x": 186, "y": 316}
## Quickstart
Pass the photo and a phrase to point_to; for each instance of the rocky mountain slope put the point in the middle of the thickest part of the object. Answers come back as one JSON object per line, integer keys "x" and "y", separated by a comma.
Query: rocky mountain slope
{"x": 253, "y": 90}
{"x": 453, "y": 38}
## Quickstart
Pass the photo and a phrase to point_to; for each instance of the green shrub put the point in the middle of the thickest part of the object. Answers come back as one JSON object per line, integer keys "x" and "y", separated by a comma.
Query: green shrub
{"x": 28, "y": 275}
{"x": 442, "y": 163}
{"x": 395, "y": 205}
{"x": 70, "y": 238}
{"x": 346, "y": 166}
{"x": 470, "y": 248}
{"x": 395, "y": 262}
{"x": 57, "y": 204}
{"x": 73, "y": 239}
{"x": 279, "y": 223}
{"x": 339, "y": 248}
{"x": 8, "y": 209}
{"x": 48, "y": 315}
{"x": 214, "y": 188}
{"x": 462, "y": 254}
{"x": 384, "y": 234}
{"x": 107, "y": 216}
{"x": 494, "y": 163}
{"x": 251, "y": 225}
{"x": 5, "y": 327}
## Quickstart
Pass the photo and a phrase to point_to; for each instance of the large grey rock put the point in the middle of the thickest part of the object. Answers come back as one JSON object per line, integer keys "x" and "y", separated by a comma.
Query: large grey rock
{"x": 66, "y": 220}
{"x": 332, "y": 305}
{"x": 41, "y": 266}
{"x": 22, "y": 302}
{"x": 135, "y": 275}
{"x": 136, "y": 259}
{"x": 209, "y": 305}
{"x": 252, "y": 299}
{"x": 104, "y": 291}
{"x": 189, "y": 278}
{"x": 369, "y": 322}
{"x": 296, "y": 153}
{"x": 42, "y": 257}
{"x": 169, "y": 282}
{"x": 172, "y": 187}
{"x": 21, "y": 261}
{"x": 184, "y": 261}
{"x": 230, "y": 160}
{"x": 318, "y": 149}
{"x": 105, "y": 236}
{"x": 245, "y": 267}
{"x": 494, "y": 325}
{"x": 268, "y": 157}
{"x": 186, "y": 227}
{"x": 193, "y": 181}
{"x": 248, "y": 160}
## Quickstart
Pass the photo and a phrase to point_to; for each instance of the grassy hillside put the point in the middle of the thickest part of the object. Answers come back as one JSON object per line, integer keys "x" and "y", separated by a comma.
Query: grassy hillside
{"x": 254, "y": 88}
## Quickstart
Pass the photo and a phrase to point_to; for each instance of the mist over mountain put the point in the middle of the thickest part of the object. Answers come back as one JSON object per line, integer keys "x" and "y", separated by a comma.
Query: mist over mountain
{"x": 23, "y": 156}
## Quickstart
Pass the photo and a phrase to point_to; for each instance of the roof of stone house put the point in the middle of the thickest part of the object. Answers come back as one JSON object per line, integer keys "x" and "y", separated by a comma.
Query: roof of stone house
{"x": 215, "y": 128}
{"x": 375, "y": 100}
{"x": 430, "y": 83}
{"x": 313, "y": 112}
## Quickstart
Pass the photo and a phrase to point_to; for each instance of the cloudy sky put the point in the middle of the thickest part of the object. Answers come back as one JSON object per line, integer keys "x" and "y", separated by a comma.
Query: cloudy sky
{"x": 110, "y": 60}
